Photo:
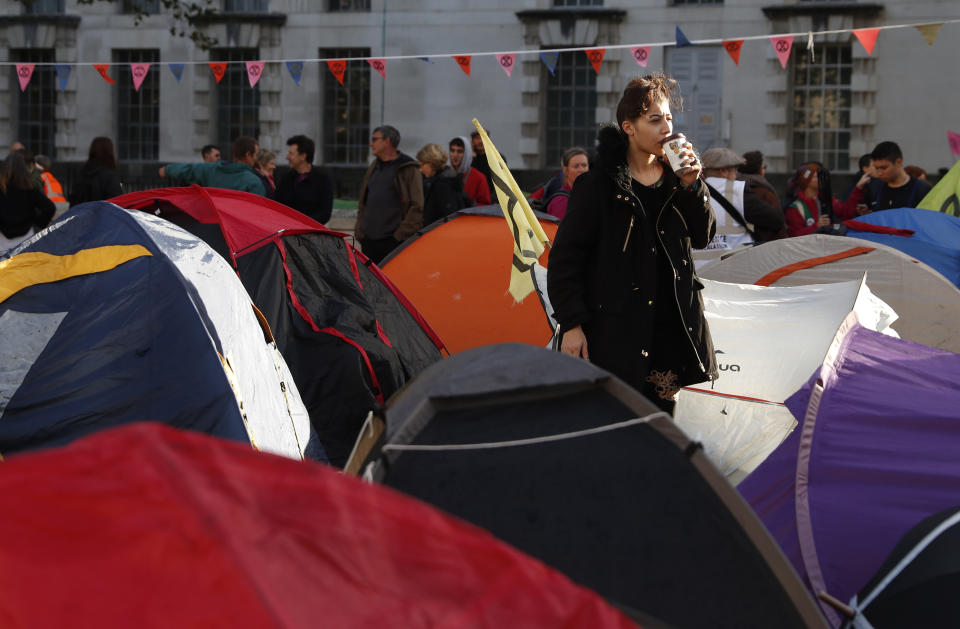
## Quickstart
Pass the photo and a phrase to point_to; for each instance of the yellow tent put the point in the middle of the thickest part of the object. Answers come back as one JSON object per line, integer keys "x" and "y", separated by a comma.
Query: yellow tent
{"x": 945, "y": 196}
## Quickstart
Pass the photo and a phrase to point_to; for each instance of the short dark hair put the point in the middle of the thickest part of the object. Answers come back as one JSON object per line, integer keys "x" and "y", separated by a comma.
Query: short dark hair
{"x": 888, "y": 151}
{"x": 243, "y": 146}
{"x": 14, "y": 173}
{"x": 390, "y": 134}
{"x": 865, "y": 161}
{"x": 476, "y": 134}
{"x": 210, "y": 148}
{"x": 305, "y": 146}
{"x": 641, "y": 92}
{"x": 457, "y": 142}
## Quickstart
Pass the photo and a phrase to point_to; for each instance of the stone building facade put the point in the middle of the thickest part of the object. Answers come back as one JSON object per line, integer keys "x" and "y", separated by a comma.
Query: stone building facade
{"x": 832, "y": 105}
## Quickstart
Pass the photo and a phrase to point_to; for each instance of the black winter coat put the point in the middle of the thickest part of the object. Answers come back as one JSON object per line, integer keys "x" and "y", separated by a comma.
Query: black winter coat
{"x": 312, "y": 196}
{"x": 442, "y": 195}
{"x": 603, "y": 270}
{"x": 96, "y": 183}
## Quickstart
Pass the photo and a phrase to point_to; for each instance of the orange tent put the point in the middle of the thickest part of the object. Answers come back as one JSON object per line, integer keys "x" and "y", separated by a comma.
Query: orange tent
{"x": 456, "y": 273}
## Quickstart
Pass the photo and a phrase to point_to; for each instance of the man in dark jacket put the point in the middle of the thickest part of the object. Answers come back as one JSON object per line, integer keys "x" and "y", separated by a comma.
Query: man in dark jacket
{"x": 304, "y": 187}
{"x": 390, "y": 209}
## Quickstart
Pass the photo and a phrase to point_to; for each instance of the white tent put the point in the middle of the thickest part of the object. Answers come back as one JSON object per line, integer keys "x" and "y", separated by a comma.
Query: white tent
{"x": 927, "y": 302}
{"x": 768, "y": 340}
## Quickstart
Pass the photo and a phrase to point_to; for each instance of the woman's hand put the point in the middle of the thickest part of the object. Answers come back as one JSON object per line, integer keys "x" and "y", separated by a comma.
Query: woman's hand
{"x": 863, "y": 181}
{"x": 575, "y": 343}
{"x": 691, "y": 170}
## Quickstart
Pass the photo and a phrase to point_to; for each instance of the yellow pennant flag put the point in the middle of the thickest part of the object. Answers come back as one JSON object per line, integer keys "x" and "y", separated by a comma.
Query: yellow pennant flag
{"x": 929, "y": 32}
{"x": 529, "y": 239}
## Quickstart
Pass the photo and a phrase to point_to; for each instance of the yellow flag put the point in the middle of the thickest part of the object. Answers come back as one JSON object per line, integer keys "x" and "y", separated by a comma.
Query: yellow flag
{"x": 529, "y": 239}
{"x": 929, "y": 32}
{"x": 945, "y": 196}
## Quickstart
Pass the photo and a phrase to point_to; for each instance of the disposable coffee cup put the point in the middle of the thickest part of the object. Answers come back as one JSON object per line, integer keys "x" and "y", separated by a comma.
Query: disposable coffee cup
{"x": 673, "y": 148}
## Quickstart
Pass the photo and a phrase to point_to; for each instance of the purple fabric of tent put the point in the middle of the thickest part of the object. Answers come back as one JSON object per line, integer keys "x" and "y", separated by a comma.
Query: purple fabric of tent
{"x": 875, "y": 453}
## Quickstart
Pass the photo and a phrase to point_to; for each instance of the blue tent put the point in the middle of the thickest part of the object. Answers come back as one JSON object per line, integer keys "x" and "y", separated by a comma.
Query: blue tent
{"x": 936, "y": 241}
{"x": 110, "y": 317}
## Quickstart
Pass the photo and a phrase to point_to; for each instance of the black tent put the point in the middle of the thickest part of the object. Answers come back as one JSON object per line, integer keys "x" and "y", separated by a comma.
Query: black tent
{"x": 569, "y": 464}
{"x": 919, "y": 583}
{"x": 349, "y": 337}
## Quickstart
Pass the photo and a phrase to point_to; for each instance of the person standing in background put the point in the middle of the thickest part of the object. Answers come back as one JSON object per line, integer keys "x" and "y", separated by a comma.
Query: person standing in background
{"x": 474, "y": 182}
{"x": 210, "y": 153}
{"x": 51, "y": 187}
{"x": 305, "y": 187}
{"x": 98, "y": 178}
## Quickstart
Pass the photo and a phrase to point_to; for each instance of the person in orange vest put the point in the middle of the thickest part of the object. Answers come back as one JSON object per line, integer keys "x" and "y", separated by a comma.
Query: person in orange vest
{"x": 51, "y": 187}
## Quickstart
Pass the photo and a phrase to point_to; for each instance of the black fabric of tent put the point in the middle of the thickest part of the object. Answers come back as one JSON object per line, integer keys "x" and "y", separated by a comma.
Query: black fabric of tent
{"x": 918, "y": 584}
{"x": 631, "y": 509}
{"x": 348, "y": 336}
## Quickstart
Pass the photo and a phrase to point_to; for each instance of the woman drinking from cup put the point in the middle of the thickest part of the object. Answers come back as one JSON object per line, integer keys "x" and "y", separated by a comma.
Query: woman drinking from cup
{"x": 621, "y": 277}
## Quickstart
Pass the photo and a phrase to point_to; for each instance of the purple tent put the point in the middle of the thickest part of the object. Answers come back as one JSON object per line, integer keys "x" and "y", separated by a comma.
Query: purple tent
{"x": 875, "y": 453}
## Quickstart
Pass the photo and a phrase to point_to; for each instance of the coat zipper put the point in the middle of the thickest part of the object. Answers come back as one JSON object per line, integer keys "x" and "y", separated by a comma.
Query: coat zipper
{"x": 629, "y": 232}
{"x": 676, "y": 296}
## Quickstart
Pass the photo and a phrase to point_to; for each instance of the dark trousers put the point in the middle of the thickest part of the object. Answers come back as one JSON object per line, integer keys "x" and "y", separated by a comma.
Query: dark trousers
{"x": 377, "y": 249}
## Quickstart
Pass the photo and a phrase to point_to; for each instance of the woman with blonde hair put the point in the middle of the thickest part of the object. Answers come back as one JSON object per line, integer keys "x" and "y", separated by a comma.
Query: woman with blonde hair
{"x": 266, "y": 164}
{"x": 442, "y": 188}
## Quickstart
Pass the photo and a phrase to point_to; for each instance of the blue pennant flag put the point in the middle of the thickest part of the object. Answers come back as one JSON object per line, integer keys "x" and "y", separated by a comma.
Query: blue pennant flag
{"x": 550, "y": 59}
{"x": 427, "y": 59}
{"x": 682, "y": 39}
{"x": 177, "y": 69}
{"x": 63, "y": 75}
{"x": 295, "y": 68}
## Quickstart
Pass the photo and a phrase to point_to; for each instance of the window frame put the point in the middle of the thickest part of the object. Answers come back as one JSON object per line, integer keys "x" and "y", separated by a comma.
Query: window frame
{"x": 35, "y": 108}
{"x": 341, "y": 100}
{"x": 231, "y": 116}
{"x": 137, "y": 113}
{"x": 565, "y": 137}
{"x": 810, "y": 112}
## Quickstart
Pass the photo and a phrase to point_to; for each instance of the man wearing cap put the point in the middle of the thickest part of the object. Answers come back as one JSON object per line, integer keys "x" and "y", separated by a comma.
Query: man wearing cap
{"x": 743, "y": 209}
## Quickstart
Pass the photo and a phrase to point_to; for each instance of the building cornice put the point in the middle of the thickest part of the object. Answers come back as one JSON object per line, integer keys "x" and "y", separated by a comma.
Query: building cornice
{"x": 572, "y": 13}
{"x": 823, "y": 8}
{"x": 58, "y": 19}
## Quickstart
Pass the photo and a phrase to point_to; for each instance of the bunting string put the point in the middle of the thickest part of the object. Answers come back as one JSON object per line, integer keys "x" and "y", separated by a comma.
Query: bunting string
{"x": 453, "y": 55}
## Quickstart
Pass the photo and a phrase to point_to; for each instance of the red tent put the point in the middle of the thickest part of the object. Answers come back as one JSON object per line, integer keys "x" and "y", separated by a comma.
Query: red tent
{"x": 349, "y": 336}
{"x": 149, "y": 526}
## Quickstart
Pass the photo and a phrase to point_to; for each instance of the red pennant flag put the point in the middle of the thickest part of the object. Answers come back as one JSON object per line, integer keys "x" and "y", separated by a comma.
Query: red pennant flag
{"x": 102, "y": 69}
{"x": 139, "y": 72}
{"x": 595, "y": 55}
{"x": 380, "y": 65}
{"x": 24, "y": 73}
{"x": 464, "y": 62}
{"x": 254, "y": 71}
{"x": 733, "y": 49}
{"x": 506, "y": 62}
{"x": 782, "y": 46}
{"x": 867, "y": 37}
{"x": 338, "y": 67}
{"x": 219, "y": 69}
{"x": 641, "y": 54}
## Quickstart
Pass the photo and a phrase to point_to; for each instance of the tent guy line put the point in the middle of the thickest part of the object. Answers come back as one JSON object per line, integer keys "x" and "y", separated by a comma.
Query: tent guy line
{"x": 451, "y": 55}
{"x": 523, "y": 442}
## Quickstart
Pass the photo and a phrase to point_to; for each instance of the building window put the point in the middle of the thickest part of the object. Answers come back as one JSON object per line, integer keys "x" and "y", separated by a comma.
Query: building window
{"x": 571, "y": 106}
{"x": 151, "y": 7}
{"x": 238, "y": 105}
{"x": 349, "y": 5}
{"x": 679, "y": 2}
{"x": 45, "y": 7}
{"x": 345, "y": 118}
{"x": 138, "y": 112}
{"x": 578, "y": 3}
{"x": 820, "y": 115}
{"x": 36, "y": 123}
{"x": 246, "y": 6}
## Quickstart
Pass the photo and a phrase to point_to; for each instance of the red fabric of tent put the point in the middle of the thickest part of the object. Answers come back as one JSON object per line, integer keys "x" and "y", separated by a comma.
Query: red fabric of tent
{"x": 246, "y": 219}
{"x": 149, "y": 526}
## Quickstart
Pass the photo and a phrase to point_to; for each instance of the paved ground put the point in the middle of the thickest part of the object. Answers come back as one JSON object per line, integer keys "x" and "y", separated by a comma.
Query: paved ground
{"x": 343, "y": 220}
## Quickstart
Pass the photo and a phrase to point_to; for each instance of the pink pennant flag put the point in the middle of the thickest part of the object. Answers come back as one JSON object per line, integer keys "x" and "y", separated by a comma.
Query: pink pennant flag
{"x": 24, "y": 73}
{"x": 867, "y": 37}
{"x": 954, "y": 139}
{"x": 139, "y": 72}
{"x": 782, "y": 46}
{"x": 506, "y": 62}
{"x": 254, "y": 71}
{"x": 641, "y": 54}
{"x": 380, "y": 65}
